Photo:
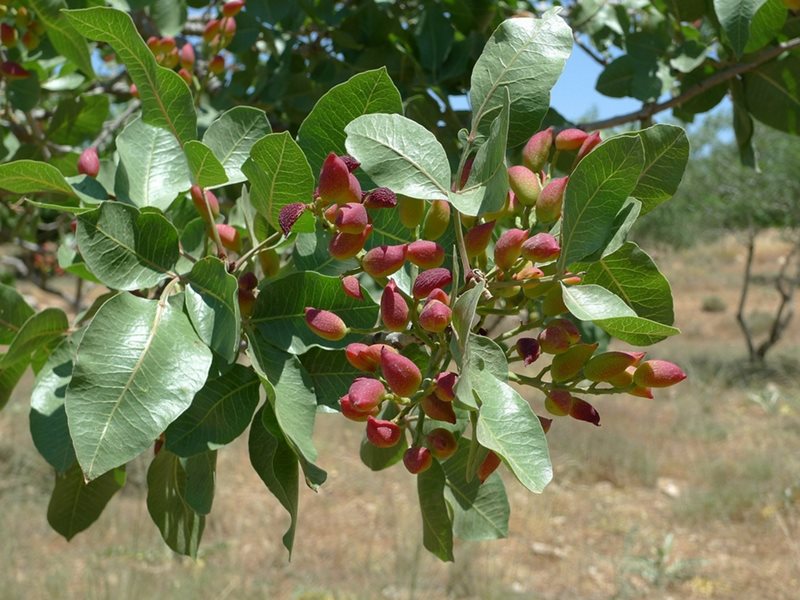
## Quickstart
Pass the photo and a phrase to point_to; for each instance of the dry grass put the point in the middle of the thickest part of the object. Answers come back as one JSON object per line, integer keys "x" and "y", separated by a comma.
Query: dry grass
{"x": 693, "y": 495}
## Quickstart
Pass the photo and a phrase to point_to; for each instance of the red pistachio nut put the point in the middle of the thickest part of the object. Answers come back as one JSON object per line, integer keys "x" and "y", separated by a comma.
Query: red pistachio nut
{"x": 583, "y": 411}
{"x": 351, "y": 218}
{"x": 247, "y": 301}
{"x": 508, "y": 248}
{"x": 438, "y": 410}
{"x": 425, "y": 254}
{"x": 232, "y": 7}
{"x": 217, "y": 65}
{"x": 551, "y": 199}
{"x": 352, "y": 163}
{"x": 570, "y": 139}
{"x": 442, "y": 443}
{"x": 324, "y": 323}
{"x": 382, "y": 261}
{"x": 289, "y": 214}
{"x": 429, "y": 280}
{"x": 435, "y": 316}
{"x": 187, "y": 56}
{"x": 589, "y": 144}
{"x": 568, "y": 364}
{"x": 355, "y": 355}
{"x": 488, "y": 466}
{"x": 383, "y": 434}
{"x": 336, "y": 184}
{"x": 440, "y": 295}
{"x": 445, "y": 384}
{"x": 402, "y": 375}
{"x": 199, "y": 197}
{"x": 477, "y": 239}
{"x": 248, "y": 281}
{"x": 607, "y": 365}
{"x": 541, "y": 248}
{"x": 558, "y": 402}
{"x": 537, "y": 150}
{"x": 545, "y": 422}
{"x": 525, "y": 183}
{"x": 417, "y": 459}
{"x": 352, "y": 287}
{"x": 658, "y": 374}
{"x": 366, "y": 393}
{"x": 346, "y": 245}
{"x": 89, "y": 162}
{"x": 346, "y": 405}
{"x": 394, "y": 309}
{"x": 528, "y": 350}
{"x": 558, "y": 336}
{"x": 381, "y": 198}
{"x": 229, "y": 236}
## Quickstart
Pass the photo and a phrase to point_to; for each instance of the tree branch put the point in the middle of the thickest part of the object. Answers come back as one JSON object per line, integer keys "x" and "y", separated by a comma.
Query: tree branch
{"x": 592, "y": 54}
{"x": 649, "y": 110}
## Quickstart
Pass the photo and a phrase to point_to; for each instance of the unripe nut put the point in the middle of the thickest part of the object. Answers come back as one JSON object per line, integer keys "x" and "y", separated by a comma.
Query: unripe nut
{"x": 324, "y": 323}
{"x": 425, "y": 254}
{"x": 352, "y": 287}
{"x": 658, "y": 374}
{"x": 437, "y": 220}
{"x": 382, "y": 261}
{"x": 445, "y": 384}
{"x": 402, "y": 375}
{"x": 351, "y": 218}
{"x": 438, "y": 410}
{"x": 410, "y": 211}
{"x": 477, "y": 239}
{"x": 383, "y": 434}
{"x": 537, "y": 150}
{"x": 528, "y": 350}
{"x": 89, "y": 162}
{"x": 551, "y": 199}
{"x": 570, "y": 139}
{"x": 417, "y": 459}
{"x": 608, "y": 365}
{"x": 558, "y": 402}
{"x": 442, "y": 443}
{"x": 229, "y": 236}
{"x": 394, "y": 309}
{"x": 435, "y": 316}
{"x": 525, "y": 183}
{"x": 541, "y": 248}
{"x": 508, "y": 248}
{"x": 366, "y": 393}
{"x": 346, "y": 245}
{"x": 488, "y": 466}
{"x": 429, "y": 280}
{"x": 583, "y": 411}
{"x": 568, "y": 364}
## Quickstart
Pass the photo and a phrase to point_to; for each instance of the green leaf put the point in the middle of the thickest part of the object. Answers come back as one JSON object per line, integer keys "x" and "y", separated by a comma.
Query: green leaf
{"x": 310, "y": 253}
{"x": 75, "y": 504}
{"x": 213, "y": 306}
{"x": 480, "y": 510}
{"x": 743, "y": 127}
{"x": 616, "y": 80}
{"x": 67, "y": 42}
{"x": 735, "y": 17}
{"x": 609, "y": 312}
{"x": 597, "y": 189}
{"x": 152, "y": 168}
{"x": 275, "y": 462}
{"x": 437, "y": 522}
{"x": 41, "y": 329}
{"x": 772, "y": 93}
{"x": 232, "y": 135}
{"x": 180, "y": 525}
{"x": 279, "y": 174}
{"x": 487, "y": 186}
{"x": 78, "y": 118}
{"x": 48, "y": 418}
{"x": 508, "y": 426}
{"x": 14, "y": 311}
{"x": 206, "y": 170}
{"x": 219, "y": 413}
{"x": 24, "y": 94}
{"x": 322, "y": 131}
{"x": 31, "y": 177}
{"x": 166, "y": 99}
{"x": 168, "y": 15}
{"x": 524, "y": 56}
{"x": 633, "y": 276}
{"x": 482, "y": 358}
{"x": 291, "y": 393}
{"x": 201, "y": 475}
{"x": 330, "y": 373}
{"x": 126, "y": 249}
{"x": 434, "y": 37}
{"x": 766, "y": 24}
{"x": 400, "y": 154}
{"x": 138, "y": 367}
{"x": 464, "y": 315}
{"x": 9, "y": 378}
{"x": 666, "y": 153}
{"x": 280, "y": 317}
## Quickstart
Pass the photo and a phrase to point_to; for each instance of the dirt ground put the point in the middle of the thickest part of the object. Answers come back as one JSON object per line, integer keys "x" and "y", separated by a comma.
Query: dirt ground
{"x": 694, "y": 495}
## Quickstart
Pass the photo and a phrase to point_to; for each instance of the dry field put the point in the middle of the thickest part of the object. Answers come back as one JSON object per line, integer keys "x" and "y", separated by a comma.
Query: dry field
{"x": 693, "y": 495}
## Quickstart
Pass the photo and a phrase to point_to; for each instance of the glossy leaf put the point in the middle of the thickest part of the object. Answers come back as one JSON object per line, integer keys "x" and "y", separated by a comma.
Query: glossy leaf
{"x": 772, "y": 93}
{"x": 508, "y": 426}
{"x": 437, "y": 523}
{"x": 310, "y": 253}
{"x": 152, "y": 168}
{"x": 524, "y": 56}
{"x": 279, "y": 311}
{"x": 38, "y": 331}
{"x": 201, "y": 475}
{"x": 131, "y": 380}
{"x": 330, "y": 373}
{"x": 48, "y": 417}
{"x": 166, "y": 99}
{"x": 126, "y": 249}
{"x": 400, "y": 154}
{"x": 9, "y": 378}
{"x": 735, "y": 16}
{"x": 480, "y": 510}
{"x": 276, "y": 464}
{"x": 633, "y": 276}
{"x": 66, "y": 41}
{"x": 322, "y": 131}
{"x": 232, "y": 136}
{"x": 206, "y": 170}
{"x": 75, "y": 504}
{"x": 609, "y": 312}
{"x": 219, "y": 413}
{"x": 596, "y": 191}
{"x": 31, "y": 177}
{"x": 666, "y": 154}
{"x": 213, "y": 306}
{"x": 180, "y": 525}
{"x": 279, "y": 174}
{"x": 14, "y": 311}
